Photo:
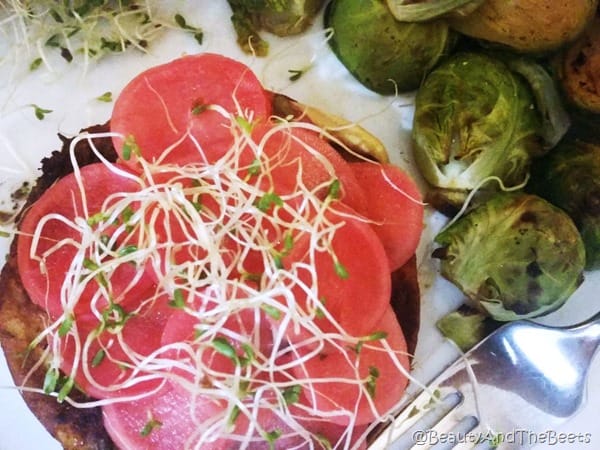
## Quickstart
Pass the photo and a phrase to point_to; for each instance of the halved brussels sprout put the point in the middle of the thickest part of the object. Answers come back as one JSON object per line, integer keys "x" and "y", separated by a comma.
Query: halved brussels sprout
{"x": 385, "y": 55}
{"x": 529, "y": 26}
{"x": 578, "y": 71}
{"x": 569, "y": 177}
{"x": 281, "y": 17}
{"x": 474, "y": 119}
{"x": 514, "y": 256}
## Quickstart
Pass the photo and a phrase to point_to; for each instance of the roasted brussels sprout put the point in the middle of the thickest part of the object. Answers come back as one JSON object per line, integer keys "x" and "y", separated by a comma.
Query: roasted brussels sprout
{"x": 474, "y": 119}
{"x": 578, "y": 72}
{"x": 569, "y": 177}
{"x": 466, "y": 326}
{"x": 281, "y": 17}
{"x": 531, "y": 26}
{"x": 383, "y": 54}
{"x": 514, "y": 256}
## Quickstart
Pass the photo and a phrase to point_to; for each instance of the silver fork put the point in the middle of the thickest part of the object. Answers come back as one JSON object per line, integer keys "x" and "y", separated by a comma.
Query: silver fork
{"x": 510, "y": 391}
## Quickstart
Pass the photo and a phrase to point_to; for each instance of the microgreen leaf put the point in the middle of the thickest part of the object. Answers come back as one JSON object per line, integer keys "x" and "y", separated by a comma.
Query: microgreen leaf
{"x": 235, "y": 413}
{"x": 95, "y": 219}
{"x": 222, "y": 346}
{"x": 371, "y": 382}
{"x": 268, "y": 200}
{"x": 66, "y": 389}
{"x": 127, "y": 250}
{"x": 324, "y": 441}
{"x": 244, "y": 124}
{"x": 40, "y": 113}
{"x": 271, "y": 437}
{"x": 106, "y": 97}
{"x": 50, "y": 380}
{"x": 196, "y": 32}
{"x": 271, "y": 311}
{"x": 35, "y": 64}
{"x": 150, "y": 426}
{"x": 295, "y": 74}
{"x": 114, "y": 316}
{"x": 130, "y": 148}
{"x": 341, "y": 270}
{"x": 291, "y": 394}
{"x": 335, "y": 189}
{"x": 178, "y": 300}
{"x": 255, "y": 167}
{"x": 66, "y": 326}
{"x": 98, "y": 358}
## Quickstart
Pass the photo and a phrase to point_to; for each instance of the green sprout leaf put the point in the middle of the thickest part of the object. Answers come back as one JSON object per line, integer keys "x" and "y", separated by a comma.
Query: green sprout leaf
{"x": 98, "y": 358}
{"x": 66, "y": 326}
{"x": 268, "y": 200}
{"x": 35, "y": 64}
{"x": 222, "y": 346}
{"x": 291, "y": 395}
{"x": 150, "y": 426}
{"x": 178, "y": 300}
{"x": 341, "y": 270}
{"x": 334, "y": 189}
{"x": 106, "y": 97}
{"x": 130, "y": 148}
{"x": 40, "y": 113}
{"x": 66, "y": 389}
{"x": 51, "y": 380}
{"x": 271, "y": 437}
{"x": 371, "y": 382}
{"x": 271, "y": 311}
{"x": 295, "y": 74}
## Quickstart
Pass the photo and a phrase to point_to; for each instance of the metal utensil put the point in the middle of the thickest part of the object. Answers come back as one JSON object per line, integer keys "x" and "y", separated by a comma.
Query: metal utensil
{"x": 510, "y": 391}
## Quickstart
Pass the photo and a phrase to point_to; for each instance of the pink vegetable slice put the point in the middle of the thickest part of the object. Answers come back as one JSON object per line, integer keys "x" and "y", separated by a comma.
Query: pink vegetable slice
{"x": 215, "y": 344}
{"x": 373, "y": 378}
{"x": 395, "y": 206}
{"x": 352, "y": 274}
{"x": 167, "y": 420}
{"x": 170, "y": 105}
{"x": 297, "y": 154}
{"x": 118, "y": 343}
{"x": 64, "y": 201}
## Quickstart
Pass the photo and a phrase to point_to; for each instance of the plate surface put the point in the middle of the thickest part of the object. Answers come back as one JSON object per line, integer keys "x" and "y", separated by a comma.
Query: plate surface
{"x": 71, "y": 91}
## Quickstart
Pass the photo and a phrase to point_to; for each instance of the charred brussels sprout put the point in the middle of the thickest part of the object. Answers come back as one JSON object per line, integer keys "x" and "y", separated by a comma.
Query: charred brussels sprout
{"x": 579, "y": 76}
{"x": 569, "y": 177}
{"x": 281, "y": 17}
{"x": 383, "y": 54}
{"x": 529, "y": 26}
{"x": 514, "y": 256}
{"x": 474, "y": 119}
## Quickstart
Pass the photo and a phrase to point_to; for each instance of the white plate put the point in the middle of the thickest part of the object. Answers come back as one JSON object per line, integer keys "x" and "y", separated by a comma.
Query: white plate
{"x": 70, "y": 92}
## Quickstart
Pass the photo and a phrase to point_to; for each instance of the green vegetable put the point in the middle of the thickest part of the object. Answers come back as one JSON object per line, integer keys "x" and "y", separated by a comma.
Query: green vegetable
{"x": 529, "y": 26}
{"x": 92, "y": 28}
{"x": 383, "y": 54}
{"x": 474, "y": 120}
{"x": 281, "y": 17}
{"x": 569, "y": 177}
{"x": 466, "y": 327}
{"x": 578, "y": 72}
{"x": 514, "y": 256}
{"x": 555, "y": 119}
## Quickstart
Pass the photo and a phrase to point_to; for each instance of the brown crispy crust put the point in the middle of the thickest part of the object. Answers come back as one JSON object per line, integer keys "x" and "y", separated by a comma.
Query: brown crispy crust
{"x": 21, "y": 321}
